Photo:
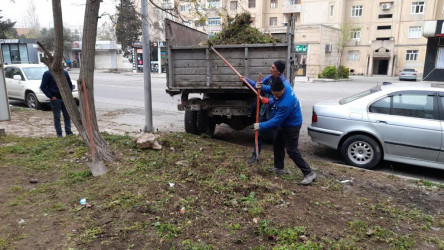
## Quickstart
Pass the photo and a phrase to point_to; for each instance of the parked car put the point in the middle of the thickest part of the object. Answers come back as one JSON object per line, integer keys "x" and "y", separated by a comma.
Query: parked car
{"x": 394, "y": 122}
{"x": 23, "y": 83}
{"x": 408, "y": 74}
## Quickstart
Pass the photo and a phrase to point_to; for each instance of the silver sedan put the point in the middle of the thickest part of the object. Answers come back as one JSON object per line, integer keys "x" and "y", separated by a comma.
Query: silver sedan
{"x": 394, "y": 122}
{"x": 408, "y": 74}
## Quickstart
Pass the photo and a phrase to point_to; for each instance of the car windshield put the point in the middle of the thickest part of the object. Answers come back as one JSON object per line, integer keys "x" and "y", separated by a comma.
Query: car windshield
{"x": 409, "y": 70}
{"x": 359, "y": 95}
{"x": 34, "y": 73}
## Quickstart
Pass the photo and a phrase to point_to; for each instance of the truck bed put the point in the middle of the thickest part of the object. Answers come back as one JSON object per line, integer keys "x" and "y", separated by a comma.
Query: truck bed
{"x": 194, "y": 68}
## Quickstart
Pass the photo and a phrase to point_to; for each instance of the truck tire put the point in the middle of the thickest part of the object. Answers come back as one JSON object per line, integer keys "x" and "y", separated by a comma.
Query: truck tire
{"x": 202, "y": 121}
{"x": 211, "y": 127}
{"x": 191, "y": 122}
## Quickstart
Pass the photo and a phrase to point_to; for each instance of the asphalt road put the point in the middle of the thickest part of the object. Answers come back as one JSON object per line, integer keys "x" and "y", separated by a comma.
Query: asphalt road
{"x": 123, "y": 95}
{"x": 125, "y": 91}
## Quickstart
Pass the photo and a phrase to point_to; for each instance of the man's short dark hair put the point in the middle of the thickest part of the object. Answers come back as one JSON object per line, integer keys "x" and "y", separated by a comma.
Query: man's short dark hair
{"x": 277, "y": 84}
{"x": 280, "y": 65}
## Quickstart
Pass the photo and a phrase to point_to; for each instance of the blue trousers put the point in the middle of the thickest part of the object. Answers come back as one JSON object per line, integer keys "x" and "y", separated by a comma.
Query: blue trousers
{"x": 57, "y": 107}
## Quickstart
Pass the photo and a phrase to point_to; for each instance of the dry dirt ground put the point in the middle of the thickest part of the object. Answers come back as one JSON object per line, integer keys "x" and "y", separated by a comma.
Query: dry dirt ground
{"x": 39, "y": 123}
{"x": 217, "y": 201}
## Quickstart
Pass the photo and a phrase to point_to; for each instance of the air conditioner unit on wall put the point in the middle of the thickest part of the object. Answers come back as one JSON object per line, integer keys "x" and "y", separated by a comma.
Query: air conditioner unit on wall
{"x": 328, "y": 48}
{"x": 386, "y": 6}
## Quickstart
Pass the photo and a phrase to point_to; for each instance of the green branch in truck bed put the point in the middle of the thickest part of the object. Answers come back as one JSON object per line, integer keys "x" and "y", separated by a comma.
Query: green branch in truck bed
{"x": 238, "y": 30}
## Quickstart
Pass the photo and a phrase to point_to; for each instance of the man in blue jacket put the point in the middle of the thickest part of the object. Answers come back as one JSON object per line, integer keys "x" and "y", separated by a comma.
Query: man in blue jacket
{"x": 276, "y": 69}
{"x": 287, "y": 119}
{"x": 50, "y": 89}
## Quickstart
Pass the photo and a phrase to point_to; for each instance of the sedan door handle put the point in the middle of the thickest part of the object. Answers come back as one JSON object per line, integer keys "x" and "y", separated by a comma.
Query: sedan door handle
{"x": 381, "y": 122}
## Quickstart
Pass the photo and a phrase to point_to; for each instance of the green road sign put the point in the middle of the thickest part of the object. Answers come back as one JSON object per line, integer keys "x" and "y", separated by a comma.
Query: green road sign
{"x": 301, "y": 48}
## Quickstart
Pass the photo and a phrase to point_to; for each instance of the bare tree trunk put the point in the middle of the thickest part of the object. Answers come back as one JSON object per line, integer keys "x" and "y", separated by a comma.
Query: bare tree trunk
{"x": 87, "y": 73}
{"x": 54, "y": 63}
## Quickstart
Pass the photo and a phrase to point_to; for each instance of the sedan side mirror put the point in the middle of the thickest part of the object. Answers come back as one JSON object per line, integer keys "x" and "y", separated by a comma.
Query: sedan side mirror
{"x": 17, "y": 77}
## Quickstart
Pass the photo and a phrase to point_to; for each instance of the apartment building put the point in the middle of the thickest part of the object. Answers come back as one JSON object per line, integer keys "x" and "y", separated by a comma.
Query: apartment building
{"x": 378, "y": 37}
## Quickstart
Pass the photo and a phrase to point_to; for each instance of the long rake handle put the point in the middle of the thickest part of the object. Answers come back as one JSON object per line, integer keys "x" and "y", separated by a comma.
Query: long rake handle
{"x": 256, "y": 133}
{"x": 235, "y": 71}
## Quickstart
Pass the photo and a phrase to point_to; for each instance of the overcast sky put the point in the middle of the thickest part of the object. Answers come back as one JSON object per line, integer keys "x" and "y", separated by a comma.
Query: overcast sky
{"x": 72, "y": 11}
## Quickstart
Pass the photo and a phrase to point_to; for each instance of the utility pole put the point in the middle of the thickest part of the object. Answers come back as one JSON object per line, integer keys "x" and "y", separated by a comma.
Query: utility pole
{"x": 146, "y": 68}
{"x": 5, "y": 115}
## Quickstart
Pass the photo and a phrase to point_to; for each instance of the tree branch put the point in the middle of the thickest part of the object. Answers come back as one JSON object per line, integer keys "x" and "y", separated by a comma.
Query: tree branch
{"x": 48, "y": 57}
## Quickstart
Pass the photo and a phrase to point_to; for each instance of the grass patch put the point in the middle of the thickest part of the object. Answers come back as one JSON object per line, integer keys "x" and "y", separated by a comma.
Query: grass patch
{"x": 199, "y": 193}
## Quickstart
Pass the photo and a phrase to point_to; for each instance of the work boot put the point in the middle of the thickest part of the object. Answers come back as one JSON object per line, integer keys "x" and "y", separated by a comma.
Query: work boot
{"x": 252, "y": 159}
{"x": 278, "y": 171}
{"x": 308, "y": 179}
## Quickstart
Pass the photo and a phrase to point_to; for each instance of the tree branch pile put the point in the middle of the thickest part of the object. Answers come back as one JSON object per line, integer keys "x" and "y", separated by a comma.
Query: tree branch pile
{"x": 238, "y": 30}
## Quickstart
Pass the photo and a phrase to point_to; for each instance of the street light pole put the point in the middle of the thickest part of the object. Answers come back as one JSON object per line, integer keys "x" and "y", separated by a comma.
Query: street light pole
{"x": 146, "y": 68}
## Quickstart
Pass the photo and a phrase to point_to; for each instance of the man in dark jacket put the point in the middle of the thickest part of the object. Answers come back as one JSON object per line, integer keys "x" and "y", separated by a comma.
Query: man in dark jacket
{"x": 50, "y": 89}
{"x": 287, "y": 119}
{"x": 276, "y": 69}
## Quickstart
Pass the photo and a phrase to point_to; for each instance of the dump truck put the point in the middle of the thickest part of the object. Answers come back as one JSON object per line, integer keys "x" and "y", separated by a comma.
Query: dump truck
{"x": 193, "y": 68}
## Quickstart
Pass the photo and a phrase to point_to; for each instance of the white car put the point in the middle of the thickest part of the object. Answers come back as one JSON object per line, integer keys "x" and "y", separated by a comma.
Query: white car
{"x": 23, "y": 83}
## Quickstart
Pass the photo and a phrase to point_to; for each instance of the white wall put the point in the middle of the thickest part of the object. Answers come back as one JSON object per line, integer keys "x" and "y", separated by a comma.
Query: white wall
{"x": 103, "y": 60}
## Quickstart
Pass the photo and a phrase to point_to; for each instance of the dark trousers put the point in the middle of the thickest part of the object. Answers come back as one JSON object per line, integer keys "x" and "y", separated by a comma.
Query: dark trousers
{"x": 287, "y": 138}
{"x": 57, "y": 107}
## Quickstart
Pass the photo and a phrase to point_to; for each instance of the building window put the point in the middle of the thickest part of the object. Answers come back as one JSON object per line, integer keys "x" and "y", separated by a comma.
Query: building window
{"x": 353, "y": 55}
{"x": 384, "y": 27}
{"x": 273, "y": 4}
{"x": 233, "y": 5}
{"x": 385, "y": 16}
{"x": 356, "y": 11}
{"x": 417, "y": 8}
{"x": 214, "y": 4}
{"x": 355, "y": 34}
{"x": 414, "y": 32}
{"x": 199, "y": 23}
{"x": 183, "y": 8}
{"x": 15, "y": 53}
{"x": 332, "y": 9}
{"x": 273, "y": 21}
{"x": 213, "y": 21}
{"x": 440, "y": 58}
{"x": 251, "y": 3}
{"x": 411, "y": 55}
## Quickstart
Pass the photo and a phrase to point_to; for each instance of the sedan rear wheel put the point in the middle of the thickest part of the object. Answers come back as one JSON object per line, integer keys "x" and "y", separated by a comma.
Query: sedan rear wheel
{"x": 361, "y": 151}
{"x": 32, "y": 101}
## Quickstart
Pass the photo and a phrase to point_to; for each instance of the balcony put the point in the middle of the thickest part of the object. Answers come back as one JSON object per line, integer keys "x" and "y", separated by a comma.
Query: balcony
{"x": 291, "y": 6}
{"x": 213, "y": 28}
{"x": 274, "y": 30}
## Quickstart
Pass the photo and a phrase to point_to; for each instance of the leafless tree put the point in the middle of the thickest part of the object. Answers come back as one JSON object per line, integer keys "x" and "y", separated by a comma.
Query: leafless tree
{"x": 31, "y": 20}
{"x": 54, "y": 63}
{"x": 344, "y": 39}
